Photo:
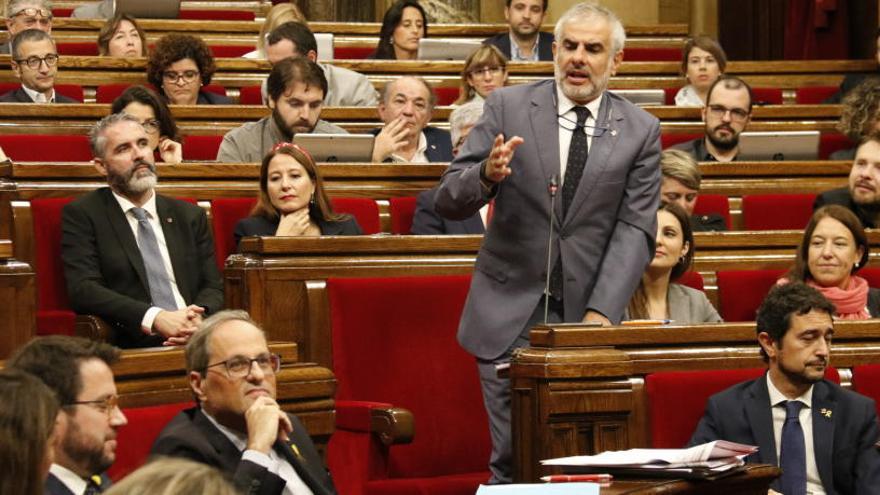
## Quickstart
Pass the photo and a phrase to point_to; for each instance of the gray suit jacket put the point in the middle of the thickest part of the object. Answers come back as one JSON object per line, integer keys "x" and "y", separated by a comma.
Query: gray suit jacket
{"x": 606, "y": 239}
{"x": 688, "y": 306}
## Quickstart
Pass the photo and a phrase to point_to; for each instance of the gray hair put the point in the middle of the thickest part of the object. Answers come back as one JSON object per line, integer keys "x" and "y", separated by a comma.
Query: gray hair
{"x": 198, "y": 349}
{"x": 583, "y": 11}
{"x": 464, "y": 116}
{"x": 98, "y": 132}
{"x": 386, "y": 90}
{"x": 16, "y": 6}
{"x": 28, "y": 35}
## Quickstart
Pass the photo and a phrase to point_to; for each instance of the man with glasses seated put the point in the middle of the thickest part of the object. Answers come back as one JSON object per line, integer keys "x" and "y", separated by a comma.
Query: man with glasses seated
{"x": 35, "y": 64}
{"x": 726, "y": 114}
{"x": 26, "y": 14}
{"x": 78, "y": 371}
{"x": 238, "y": 427}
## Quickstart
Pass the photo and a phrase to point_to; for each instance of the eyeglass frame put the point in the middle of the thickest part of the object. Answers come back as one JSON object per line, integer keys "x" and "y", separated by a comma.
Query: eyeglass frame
{"x": 151, "y": 125}
{"x": 106, "y": 405}
{"x": 493, "y": 70}
{"x": 592, "y": 131}
{"x": 39, "y": 60}
{"x": 43, "y": 13}
{"x": 737, "y": 115}
{"x": 229, "y": 374}
{"x": 178, "y": 76}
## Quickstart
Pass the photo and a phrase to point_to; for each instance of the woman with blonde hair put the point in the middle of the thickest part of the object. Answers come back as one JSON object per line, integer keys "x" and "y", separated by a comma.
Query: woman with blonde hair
{"x": 485, "y": 70}
{"x": 277, "y": 15}
{"x": 174, "y": 476}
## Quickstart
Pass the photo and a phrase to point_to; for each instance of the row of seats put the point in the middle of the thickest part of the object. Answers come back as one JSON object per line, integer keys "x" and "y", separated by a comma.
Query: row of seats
{"x": 190, "y": 14}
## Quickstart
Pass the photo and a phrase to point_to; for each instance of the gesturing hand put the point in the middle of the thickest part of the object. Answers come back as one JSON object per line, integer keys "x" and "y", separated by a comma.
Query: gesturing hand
{"x": 294, "y": 224}
{"x": 170, "y": 151}
{"x": 497, "y": 165}
{"x": 266, "y": 423}
{"x": 391, "y": 139}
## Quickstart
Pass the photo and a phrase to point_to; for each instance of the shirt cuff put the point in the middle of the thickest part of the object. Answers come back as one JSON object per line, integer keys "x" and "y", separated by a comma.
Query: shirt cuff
{"x": 260, "y": 459}
{"x": 149, "y": 318}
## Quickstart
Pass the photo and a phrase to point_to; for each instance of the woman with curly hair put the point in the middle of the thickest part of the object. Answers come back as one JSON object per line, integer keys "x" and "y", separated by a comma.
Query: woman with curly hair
{"x": 404, "y": 24}
{"x": 179, "y": 66}
{"x": 860, "y": 115}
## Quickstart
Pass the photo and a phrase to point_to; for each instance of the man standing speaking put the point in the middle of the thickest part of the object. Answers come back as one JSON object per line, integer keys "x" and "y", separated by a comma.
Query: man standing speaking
{"x": 604, "y": 154}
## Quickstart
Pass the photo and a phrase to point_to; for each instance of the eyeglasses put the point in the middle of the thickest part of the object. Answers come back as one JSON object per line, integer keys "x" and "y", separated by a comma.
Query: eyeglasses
{"x": 151, "y": 125}
{"x": 736, "y": 114}
{"x": 172, "y": 77}
{"x": 106, "y": 405}
{"x": 240, "y": 366}
{"x": 482, "y": 71}
{"x": 33, "y": 12}
{"x": 34, "y": 62}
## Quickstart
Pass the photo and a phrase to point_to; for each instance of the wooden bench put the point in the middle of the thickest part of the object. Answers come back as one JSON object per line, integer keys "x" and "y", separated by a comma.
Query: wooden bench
{"x": 18, "y": 292}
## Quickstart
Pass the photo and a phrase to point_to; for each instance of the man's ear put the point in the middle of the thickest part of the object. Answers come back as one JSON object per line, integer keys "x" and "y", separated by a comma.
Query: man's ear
{"x": 312, "y": 55}
{"x": 16, "y": 68}
{"x": 270, "y": 102}
{"x": 618, "y": 58}
{"x": 99, "y": 166}
{"x": 196, "y": 383}
{"x": 768, "y": 344}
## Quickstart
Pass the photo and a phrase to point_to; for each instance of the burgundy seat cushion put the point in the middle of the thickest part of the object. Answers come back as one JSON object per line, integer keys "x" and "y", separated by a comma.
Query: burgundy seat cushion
{"x": 866, "y": 381}
{"x": 402, "y": 211}
{"x": 225, "y": 213}
{"x": 78, "y": 48}
{"x": 767, "y": 96}
{"x": 54, "y": 315}
{"x": 829, "y": 142}
{"x": 717, "y": 204}
{"x": 446, "y": 96}
{"x": 691, "y": 279}
{"x": 46, "y": 148}
{"x": 671, "y": 139}
{"x": 135, "y": 439}
{"x": 229, "y": 51}
{"x": 364, "y": 210}
{"x": 652, "y": 54}
{"x": 216, "y": 14}
{"x": 814, "y": 95}
{"x": 352, "y": 52}
{"x": 740, "y": 292}
{"x": 250, "y": 95}
{"x": 201, "y": 148}
{"x": 777, "y": 211}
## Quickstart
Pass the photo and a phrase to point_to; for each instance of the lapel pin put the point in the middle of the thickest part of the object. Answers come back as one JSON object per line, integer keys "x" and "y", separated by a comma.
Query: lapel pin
{"x": 169, "y": 220}
{"x": 295, "y": 450}
{"x": 825, "y": 412}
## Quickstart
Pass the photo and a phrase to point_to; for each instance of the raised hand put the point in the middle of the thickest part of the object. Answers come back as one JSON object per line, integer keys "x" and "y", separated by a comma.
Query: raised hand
{"x": 498, "y": 164}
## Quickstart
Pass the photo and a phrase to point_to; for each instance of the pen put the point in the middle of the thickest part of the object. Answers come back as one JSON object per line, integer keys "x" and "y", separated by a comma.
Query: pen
{"x": 570, "y": 478}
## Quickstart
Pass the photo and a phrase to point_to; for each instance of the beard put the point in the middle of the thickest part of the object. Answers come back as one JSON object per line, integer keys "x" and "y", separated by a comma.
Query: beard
{"x": 587, "y": 92}
{"x": 85, "y": 450}
{"x": 289, "y": 130}
{"x": 133, "y": 182}
{"x": 723, "y": 144}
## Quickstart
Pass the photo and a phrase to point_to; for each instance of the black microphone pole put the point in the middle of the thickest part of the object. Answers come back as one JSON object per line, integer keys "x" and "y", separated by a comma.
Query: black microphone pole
{"x": 552, "y": 188}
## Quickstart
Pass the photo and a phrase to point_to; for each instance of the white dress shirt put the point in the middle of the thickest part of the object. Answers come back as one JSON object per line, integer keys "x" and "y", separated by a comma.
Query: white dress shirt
{"x": 567, "y": 120}
{"x": 37, "y": 96}
{"x": 153, "y": 218}
{"x": 419, "y": 156}
{"x": 70, "y": 479}
{"x": 777, "y": 407}
{"x": 517, "y": 56}
{"x": 273, "y": 462}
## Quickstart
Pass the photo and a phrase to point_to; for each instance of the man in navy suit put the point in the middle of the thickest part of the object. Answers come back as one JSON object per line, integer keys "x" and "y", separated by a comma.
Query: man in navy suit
{"x": 524, "y": 41}
{"x": 78, "y": 371}
{"x": 35, "y": 64}
{"x": 823, "y": 436}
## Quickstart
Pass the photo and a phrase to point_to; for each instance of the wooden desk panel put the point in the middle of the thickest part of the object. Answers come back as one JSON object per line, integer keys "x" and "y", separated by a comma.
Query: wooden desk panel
{"x": 755, "y": 481}
{"x": 18, "y": 292}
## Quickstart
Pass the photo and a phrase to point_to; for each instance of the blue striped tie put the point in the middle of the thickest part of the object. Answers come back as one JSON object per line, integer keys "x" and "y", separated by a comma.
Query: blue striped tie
{"x": 157, "y": 276}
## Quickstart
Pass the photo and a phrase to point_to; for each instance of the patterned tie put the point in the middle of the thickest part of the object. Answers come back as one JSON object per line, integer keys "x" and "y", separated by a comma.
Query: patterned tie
{"x": 574, "y": 169}
{"x": 792, "y": 453}
{"x": 157, "y": 277}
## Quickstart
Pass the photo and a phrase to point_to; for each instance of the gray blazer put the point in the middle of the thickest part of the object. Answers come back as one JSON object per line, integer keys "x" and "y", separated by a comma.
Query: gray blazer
{"x": 687, "y": 306}
{"x": 606, "y": 239}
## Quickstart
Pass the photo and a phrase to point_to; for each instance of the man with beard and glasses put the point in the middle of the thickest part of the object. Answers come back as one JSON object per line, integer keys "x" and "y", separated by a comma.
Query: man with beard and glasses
{"x": 524, "y": 42}
{"x": 603, "y": 153}
{"x": 78, "y": 371}
{"x": 821, "y": 435}
{"x": 862, "y": 195}
{"x": 141, "y": 261}
{"x": 296, "y": 88}
{"x": 726, "y": 114}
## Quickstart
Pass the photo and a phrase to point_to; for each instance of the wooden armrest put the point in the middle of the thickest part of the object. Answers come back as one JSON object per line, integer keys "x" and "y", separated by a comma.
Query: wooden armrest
{"x": 93, "y": 327}
{"x": 393, "y": 425}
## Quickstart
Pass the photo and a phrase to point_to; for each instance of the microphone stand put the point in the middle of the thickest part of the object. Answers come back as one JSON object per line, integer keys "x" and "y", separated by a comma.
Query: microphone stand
{"x": 552, "y": 187}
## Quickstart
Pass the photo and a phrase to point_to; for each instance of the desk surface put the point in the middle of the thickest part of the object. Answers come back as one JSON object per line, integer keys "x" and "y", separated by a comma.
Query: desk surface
{"x": 756, "y": 480}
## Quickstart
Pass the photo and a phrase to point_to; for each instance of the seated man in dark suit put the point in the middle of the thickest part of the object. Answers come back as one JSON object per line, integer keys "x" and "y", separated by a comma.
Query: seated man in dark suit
{"x": 821, "y": 435}
{"x": 524, "y": 41}
{"x": 78, "y": 371}
{"x": 862, "y": 195}
{"x": 726, "y": 115}
{"x": 141, "y": 261}
{"x": 35, "y": 64}
{"x": 238, "y": 426}
{"x": 406, "y": 105}
{"x": 426, "y": 221}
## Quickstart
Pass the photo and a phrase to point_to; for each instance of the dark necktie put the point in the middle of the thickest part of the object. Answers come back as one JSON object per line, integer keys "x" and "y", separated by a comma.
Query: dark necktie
{"x": 792, "y": 453}
{"x": 574, "y": 169}
{"x": 157, "y": 277}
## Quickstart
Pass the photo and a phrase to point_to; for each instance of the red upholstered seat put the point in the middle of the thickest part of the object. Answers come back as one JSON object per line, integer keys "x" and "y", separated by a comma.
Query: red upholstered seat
{"x": 229, "y": 51}
{"x": 74, "y": 91}
{"x": 740, "y": 292}
{"x": 652, "y": 54}
{"x": 217, "y": 14}
{"x": 671, "y": 139}
{"x": 813, "y": 95}
{"x": 46, "y": 148}
{"x": 777, "y": 211}
{"x": 364, "y": 210}
{"x": 135, "y": 439}
{"x": 250, "y": 95}
{"x": 767, "y": 96}
{"x": 691, "y": 279}
{"x": 54, "y": 315}
{"x": 201, "y": 147}
{"x": 393, "y": 340}
{"x": 717, "y": 204}
{"x": 829, "y": 142}
{"x": 78, "y": 48}
{"x": 866, "y": 381}
{"x": 402, "y": 210}
{"x": 872, "y": 275}
{"x": 61, "y": 12}
{"x": 225, "y": 213}
{"x": 446, "y": 96}
{"x": 352, "y": 52}
{"x": 215, "y": 88}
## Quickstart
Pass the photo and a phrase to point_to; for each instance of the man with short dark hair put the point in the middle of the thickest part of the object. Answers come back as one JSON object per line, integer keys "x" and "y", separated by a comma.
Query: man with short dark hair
{"x": 78, "y": 371}
{"x": 524, "y": 41}
{"x": 26, "y": 14}
{"x": 862, "y": 194}
{"x": 238, "y": 427}
{"x": 141, "y": 261}
{"x": 35, "y": 64}
{"x": 821, "y": 435}
{"x": 726, "y": 115}
{"x": 296, "y": 88}
{"x": 345, "y": 88}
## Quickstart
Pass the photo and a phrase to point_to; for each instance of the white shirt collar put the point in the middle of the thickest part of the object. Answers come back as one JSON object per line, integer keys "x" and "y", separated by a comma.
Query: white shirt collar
{"x": 127, "y": 205}
{"x": 777, "y": 397}
{"x": 70, "y": 479}
{"x": 419, "y": 156}
{"x": 37, "y": 96}
{"x": 515, "y": 54}
{"x": 237, "y": 439}
{"x": 565, "y": 104}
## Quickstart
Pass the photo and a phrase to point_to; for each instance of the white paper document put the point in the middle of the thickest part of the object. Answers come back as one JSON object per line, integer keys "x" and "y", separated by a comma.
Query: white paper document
{"x": 719, "y": 454}
{"x": 541, "y": 489}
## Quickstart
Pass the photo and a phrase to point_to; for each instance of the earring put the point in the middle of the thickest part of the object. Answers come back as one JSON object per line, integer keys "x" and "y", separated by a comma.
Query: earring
{"x": 856, "y": 264}
{"x": 312, "y": 200}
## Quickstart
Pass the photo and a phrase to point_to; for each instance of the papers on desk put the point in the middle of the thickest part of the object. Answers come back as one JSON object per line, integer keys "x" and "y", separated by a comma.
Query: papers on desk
{"x": 702, "y": 461}
{"x": 541, "y": 489}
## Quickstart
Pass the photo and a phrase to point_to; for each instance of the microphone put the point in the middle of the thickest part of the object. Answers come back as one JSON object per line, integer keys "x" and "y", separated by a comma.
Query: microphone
{"x": 552, "y": 188}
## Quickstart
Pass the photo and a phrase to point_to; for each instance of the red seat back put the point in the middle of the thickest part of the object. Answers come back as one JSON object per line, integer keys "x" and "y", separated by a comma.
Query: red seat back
{"x": 135, "y": 439}
{"x": 225, "y": 213}
{"x": 106, "y": 93}
{"x": 767, "y": 96}
{"x": 777, "y": 211}
{"x": 813, "y": 95}
{"x": 872, "y": 275}
{"x": 652, "y": 54}
{"x": 671, "y": 139}
{"x": 829, "y": 142}
{"x": 364, "y": 210}
{"x": 54, "y": 315}
{"x": 402, "y": 210}
{"x": 394, "y": 341}
{"x": 216, "y": 15}
{"x": 61, "y": 12}
{"x": 250, "y": 95}
{"x": 691, "y": 279}
{"x": 46, "y": 148}
{"x": 446, "y": 96}
{"x": 717, "y": 204}
{"x": 740, "y": 292}
{"x": 88, "y": 49}
{"x": 202, "y": 148}
{"x": 866, "y": 381}
{"x": 74, "y": 91}
{"x": 352, "y": 52}
{"x": 229, "y": 51}
{"x": 215, "y": 88}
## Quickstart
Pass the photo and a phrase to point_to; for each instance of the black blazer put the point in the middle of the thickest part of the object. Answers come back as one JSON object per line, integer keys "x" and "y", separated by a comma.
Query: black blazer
{"x": 842, "y": 197}
{"x": 19, "y": 96}
{"x": 545, "y": 45}
{"x": 439, "y": 144}
{"x": 426, "y": 221}
{"x": 844, "y": 432}
{"x": 54, "y": 486}
{"x": 191, "y": 435}
{"x": 105, "y": 272}
{"x": 261, "y": 226}
{"x": 209, "y": 98}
